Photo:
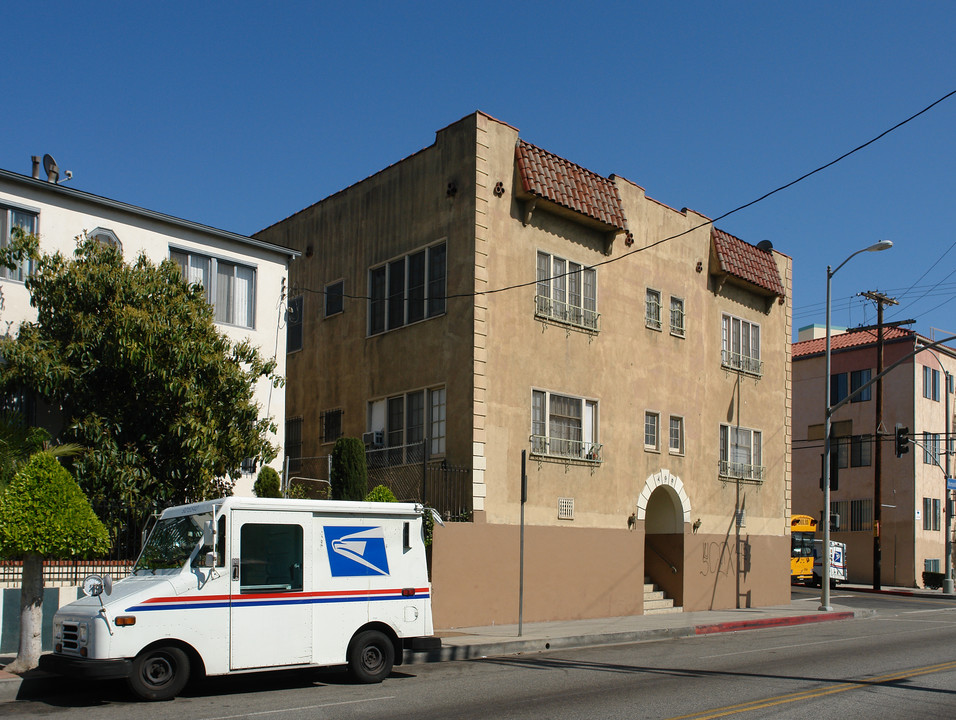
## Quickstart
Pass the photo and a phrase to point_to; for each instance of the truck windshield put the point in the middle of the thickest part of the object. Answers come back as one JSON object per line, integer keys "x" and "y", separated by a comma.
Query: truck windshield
{"x": 171, "y": 543}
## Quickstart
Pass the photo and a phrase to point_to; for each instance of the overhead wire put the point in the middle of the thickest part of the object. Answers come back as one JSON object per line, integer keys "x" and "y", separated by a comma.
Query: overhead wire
{"x": 691, "y": 229}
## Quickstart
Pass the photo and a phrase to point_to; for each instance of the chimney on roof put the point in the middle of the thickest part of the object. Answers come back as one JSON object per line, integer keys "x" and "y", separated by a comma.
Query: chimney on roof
{"x": 816, "y": 332}
{"x": 36, "y": 167}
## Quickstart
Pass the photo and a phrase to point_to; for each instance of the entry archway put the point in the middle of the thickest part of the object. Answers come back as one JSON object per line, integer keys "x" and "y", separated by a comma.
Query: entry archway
{"x": 664, "y": 507}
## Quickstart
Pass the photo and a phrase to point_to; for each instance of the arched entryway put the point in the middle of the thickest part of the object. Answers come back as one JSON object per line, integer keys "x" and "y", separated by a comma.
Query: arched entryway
{"x": 664, "y": 507}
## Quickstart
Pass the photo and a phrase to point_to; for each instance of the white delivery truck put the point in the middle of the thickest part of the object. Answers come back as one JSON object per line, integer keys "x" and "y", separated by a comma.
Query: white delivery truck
{"x": 246, "y": 584}
{"x": 837, "y": 562}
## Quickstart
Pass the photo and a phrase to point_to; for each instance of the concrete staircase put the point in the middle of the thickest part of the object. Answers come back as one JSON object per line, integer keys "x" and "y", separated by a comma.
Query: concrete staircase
{"x": 656, "y": 602}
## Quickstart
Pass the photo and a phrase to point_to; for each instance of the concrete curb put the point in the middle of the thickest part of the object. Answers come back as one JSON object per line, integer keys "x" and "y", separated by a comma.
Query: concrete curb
{"x": 37, "y": 684}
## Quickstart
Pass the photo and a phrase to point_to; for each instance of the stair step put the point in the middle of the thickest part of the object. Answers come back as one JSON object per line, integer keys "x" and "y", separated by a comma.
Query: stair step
{"x": 656, "y": 595}
{"x": 664, "y": 610}
{"x": 658, "y": 604}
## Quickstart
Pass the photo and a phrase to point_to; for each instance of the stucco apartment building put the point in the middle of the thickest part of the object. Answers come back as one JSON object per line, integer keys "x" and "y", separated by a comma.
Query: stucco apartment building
{"x": 913, "y": 493}
{"x": 246, "y": 278}
{"x": 493, "y": 299}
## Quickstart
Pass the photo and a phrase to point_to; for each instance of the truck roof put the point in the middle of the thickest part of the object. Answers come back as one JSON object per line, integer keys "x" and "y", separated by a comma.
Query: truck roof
{"x": 324, "y": 507}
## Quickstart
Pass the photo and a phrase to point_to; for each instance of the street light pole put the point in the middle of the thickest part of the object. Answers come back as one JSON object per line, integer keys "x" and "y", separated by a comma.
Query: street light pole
{"x": 825, "y": 580}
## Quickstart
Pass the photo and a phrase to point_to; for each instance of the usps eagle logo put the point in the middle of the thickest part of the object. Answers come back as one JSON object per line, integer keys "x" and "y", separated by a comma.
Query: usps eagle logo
{"x": 356, "y": 551}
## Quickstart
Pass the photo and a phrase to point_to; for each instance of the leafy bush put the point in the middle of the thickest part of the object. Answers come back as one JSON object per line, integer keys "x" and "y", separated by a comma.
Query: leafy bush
{"x": 349, "y": 473}
{"x": 381, "y": 493}
{"x": 267, "y": 483}
{"x": 43, "y": 512}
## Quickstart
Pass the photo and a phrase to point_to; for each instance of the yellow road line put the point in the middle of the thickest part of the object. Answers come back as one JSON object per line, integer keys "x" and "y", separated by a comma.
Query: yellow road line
{"x": 810, "y": 694}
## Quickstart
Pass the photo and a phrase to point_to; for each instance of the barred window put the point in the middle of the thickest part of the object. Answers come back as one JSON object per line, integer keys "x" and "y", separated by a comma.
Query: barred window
{"x": 855, "y": 515}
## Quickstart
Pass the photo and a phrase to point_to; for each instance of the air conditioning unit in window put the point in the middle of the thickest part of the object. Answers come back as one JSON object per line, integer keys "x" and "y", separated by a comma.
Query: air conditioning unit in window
{"x": 376, "y": 438}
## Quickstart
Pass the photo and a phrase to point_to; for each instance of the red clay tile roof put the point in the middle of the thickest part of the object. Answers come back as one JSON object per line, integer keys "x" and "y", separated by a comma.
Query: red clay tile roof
{"x": 553, "y": 178}
{"x": 852, "y": 338}
{"x": 746, "y": 262}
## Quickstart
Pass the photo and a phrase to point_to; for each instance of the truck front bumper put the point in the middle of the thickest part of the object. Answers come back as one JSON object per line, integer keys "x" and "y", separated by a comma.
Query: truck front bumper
{"x": 85, "y": 668}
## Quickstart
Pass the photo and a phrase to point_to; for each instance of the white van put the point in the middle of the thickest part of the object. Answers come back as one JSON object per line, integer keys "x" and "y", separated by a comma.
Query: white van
{"x": 837, "y": 562}
{"x": 244, "y": 584}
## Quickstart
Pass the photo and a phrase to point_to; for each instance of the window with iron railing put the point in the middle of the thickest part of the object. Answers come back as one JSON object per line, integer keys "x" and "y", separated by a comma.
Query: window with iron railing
{"x": 566, "y": 292}
{"x": 677, "y": 316}
{"x": 564, "y": 427}
{"x": 741, "y": 453}
{"x": 652, "y": 309}
{"x": 740, "y": 345}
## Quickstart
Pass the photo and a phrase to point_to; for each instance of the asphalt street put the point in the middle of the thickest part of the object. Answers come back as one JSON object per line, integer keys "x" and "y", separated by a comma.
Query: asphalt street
{"x": 897, "y": 663}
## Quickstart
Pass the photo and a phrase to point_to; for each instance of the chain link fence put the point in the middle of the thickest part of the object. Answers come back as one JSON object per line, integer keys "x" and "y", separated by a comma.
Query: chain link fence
{"x": 406, "y": 471}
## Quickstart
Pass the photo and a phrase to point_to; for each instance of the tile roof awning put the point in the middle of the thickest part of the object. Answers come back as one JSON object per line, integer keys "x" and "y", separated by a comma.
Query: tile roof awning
{"x": 851, "y": 339}
{"x": 741, "y": 263}
{"x": 555, "y": 184}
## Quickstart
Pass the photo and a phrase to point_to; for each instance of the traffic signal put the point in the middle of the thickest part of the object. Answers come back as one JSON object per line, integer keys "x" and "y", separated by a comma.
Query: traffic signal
{"x": 902, "y": 440}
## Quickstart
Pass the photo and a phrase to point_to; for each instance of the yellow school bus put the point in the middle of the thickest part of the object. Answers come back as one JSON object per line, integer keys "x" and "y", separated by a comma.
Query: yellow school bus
{"x": 803, "y": 528}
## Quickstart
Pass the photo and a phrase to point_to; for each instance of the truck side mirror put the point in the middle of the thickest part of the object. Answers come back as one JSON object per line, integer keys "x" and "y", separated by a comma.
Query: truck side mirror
{"x": 210, "y": 560}
{"x": 208, "y": 533}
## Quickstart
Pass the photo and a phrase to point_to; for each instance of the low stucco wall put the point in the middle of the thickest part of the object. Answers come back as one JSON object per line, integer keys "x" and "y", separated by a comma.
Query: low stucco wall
{"x": 569, "y": 573}
{"x": 576, "y": 573}
{"x": 53, "y": 600}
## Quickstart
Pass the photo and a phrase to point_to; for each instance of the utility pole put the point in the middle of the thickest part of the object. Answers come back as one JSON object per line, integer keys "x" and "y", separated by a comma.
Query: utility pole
{"x": 880, "y": 299}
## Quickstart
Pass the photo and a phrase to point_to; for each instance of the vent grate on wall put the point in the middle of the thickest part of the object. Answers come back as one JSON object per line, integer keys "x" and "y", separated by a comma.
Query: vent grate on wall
{"x": 565, "y": 508}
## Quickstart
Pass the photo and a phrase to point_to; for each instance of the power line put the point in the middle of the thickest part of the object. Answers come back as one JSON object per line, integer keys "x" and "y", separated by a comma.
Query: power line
{"x": 694, "y": 228}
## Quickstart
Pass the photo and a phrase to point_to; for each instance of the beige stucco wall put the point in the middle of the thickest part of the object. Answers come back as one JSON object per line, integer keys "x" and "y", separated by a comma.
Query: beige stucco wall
{"x": 490, "y": 352}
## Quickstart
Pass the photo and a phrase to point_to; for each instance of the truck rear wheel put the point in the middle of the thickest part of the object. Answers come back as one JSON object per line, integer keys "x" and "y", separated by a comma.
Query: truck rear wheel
{"x": 371, "y": 656}
{"x": 159, "y": 673}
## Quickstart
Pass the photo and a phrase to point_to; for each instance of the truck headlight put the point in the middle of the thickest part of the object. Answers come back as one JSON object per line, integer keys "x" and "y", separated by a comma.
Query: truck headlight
{"x": 84, "y": 633}
{"x": 57, "y": 630}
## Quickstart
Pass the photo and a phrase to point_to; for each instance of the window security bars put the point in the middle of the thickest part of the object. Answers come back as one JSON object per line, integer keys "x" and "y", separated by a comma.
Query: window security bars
{"x": 564, "y": 312}
{"x": 572, "y": 449}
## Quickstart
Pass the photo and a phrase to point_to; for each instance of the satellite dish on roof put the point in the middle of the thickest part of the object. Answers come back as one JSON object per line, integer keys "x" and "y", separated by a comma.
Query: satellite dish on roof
{"x": 51, "y": 168}
{"x": 765, "y": 245}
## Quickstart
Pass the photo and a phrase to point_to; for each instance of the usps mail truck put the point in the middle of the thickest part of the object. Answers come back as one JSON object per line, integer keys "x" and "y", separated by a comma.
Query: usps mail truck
{"x": 248, "y": 584}
{"x": 837, "y": 562}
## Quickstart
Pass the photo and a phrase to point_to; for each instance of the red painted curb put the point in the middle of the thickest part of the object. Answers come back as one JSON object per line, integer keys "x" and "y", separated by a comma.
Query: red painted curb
{"x": 770, "y": 622}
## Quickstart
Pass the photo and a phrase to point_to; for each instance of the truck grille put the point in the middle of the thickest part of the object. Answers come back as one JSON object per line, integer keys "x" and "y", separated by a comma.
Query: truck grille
{"x": 71, "y": 636}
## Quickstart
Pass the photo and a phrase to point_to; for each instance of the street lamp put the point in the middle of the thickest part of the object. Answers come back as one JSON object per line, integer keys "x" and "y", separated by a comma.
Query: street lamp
{"x": 825, "y": 581}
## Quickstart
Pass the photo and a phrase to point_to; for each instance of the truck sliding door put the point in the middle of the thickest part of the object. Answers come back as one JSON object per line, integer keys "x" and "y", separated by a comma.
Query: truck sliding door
{"x": 270, "y": 617}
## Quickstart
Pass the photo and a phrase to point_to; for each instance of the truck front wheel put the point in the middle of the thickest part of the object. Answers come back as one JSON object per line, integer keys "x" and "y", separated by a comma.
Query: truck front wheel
{"x": 371, "y": 656}
{"x": 159, "y": 673}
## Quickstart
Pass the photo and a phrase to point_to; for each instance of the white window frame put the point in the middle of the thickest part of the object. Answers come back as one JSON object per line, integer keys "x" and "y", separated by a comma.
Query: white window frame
{"x": 741, "y": 453}
{"x": 565, "y": 426}
{"x": 9, "y": 216}
{"x": 566, "y": 291}
{"x": 230, "y": 312}
{"x": 652, "y": 431}
{"x": 740, "y": 345}
{"x": 675, "y": 435}
{"x": 421, "y": 410}
{"x": 652, "y": 309}
{"x": 931, "y": 448}
{"x": 397, "y": 299}
{"x": 334, "y": 290}
{"x": 678, "y": 328}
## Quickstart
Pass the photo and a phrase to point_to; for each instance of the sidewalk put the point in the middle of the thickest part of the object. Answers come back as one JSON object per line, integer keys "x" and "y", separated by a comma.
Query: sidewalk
{"x": 477, "y": 642}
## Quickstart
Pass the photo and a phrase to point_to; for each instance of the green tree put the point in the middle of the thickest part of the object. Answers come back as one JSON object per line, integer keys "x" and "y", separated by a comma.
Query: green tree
{"x": 17, "y": 443}
{"x": 161, "y": 400}
{"x": 44, "y": 514}
{"x": 267, "y": 483}
{"x": 349, "y": 473}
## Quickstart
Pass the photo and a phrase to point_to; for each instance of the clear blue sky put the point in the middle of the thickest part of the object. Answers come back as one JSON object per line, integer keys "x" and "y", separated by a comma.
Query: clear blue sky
{"x": 238, "y": 114}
